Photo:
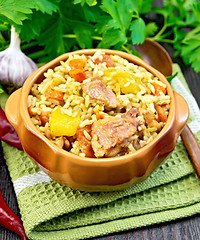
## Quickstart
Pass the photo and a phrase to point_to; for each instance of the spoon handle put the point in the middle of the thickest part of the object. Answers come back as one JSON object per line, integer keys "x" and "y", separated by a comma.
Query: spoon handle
{"x": 192, "y": 146}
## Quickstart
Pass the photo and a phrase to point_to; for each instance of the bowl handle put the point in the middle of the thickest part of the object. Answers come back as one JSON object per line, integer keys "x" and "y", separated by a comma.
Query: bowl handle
{"x": 181, "y": 112}
{"x": 12, "y": 108}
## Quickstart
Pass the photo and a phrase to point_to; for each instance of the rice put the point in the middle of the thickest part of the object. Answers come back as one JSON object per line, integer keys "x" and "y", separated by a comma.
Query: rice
{"x": 132, "y": 85}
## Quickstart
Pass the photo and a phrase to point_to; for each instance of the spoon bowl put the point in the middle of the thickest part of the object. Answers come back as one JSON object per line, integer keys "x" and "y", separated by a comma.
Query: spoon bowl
{"x": 156, "y": 56}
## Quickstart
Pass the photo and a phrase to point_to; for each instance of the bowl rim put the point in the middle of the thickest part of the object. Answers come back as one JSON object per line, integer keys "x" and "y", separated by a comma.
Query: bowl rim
{"x": 85, "y": 160}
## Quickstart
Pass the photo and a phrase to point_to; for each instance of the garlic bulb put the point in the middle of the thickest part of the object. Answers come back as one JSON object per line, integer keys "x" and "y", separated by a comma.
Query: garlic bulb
{"x": 15, "y": 66}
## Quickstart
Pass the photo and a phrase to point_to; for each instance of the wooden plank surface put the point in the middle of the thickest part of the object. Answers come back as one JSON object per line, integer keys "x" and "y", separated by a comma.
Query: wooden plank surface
{"x": 187, "y": 228}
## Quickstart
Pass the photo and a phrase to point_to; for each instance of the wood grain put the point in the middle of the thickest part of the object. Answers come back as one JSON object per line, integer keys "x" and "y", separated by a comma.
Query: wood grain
{"x": 192, "y": 147}
{"x": 9, "y": 196}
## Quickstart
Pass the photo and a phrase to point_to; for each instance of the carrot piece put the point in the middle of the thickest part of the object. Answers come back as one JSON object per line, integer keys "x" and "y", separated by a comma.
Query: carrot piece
{"x": 99, "y": 115}
{"x": 77, "y": 63}
{"x": 84, "y": 142}
{"x": 77, "y": 74}
{"x": 107, "y": 59}
{"x": 158, "y": 89}
{"x": 44, "y": 117}
{"x": 57, "y": 95}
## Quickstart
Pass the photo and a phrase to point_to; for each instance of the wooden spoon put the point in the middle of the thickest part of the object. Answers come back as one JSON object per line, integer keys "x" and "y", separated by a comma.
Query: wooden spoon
{"x": 156, "y": 56}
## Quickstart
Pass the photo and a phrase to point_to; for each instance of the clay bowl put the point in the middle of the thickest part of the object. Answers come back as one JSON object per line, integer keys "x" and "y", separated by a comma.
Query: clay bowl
{"x": 90, "y": 174}
{"x": 156, "y": 56}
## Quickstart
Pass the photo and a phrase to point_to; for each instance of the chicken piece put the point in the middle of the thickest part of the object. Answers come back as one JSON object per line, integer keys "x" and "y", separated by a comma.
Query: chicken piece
{"x": 96, "y": 89}
{"x": 59, "y": 142}
{"x": 67, "y": 144}
{"x": 110, "y": 135}
{"x": 131, "y": 114}
{"x": 162, "y": 115}
{"x": 84, "y": 139}
{"x": 47, "y": 134}
{"x": 151, "y": 121}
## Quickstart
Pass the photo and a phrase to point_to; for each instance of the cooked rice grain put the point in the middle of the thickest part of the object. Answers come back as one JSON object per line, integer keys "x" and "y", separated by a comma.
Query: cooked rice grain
{"x": 77, "y": 103}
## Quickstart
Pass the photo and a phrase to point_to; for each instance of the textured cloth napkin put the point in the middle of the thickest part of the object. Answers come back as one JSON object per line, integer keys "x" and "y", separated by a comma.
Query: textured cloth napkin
{"x": 52, "y": 211}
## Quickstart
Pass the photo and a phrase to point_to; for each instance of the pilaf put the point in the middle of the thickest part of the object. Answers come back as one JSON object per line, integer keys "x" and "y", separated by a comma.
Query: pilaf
{"x": 99, "y": 106}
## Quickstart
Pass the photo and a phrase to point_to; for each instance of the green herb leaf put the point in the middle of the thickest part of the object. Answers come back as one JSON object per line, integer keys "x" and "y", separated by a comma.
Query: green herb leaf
{"x": 53, "y": 40}
{"x": 145, "y": 6}
{"x": 60, "y": 26}
{"x": 15, "y": 11}
{"x": 151, "y": 28}
{"x": 196, "y": 10}
{"x": 1, "y": 89}
{"x": 89, "y": 2}
{"x": 136, "y": 53}
{"x": 190, "y": 48}
{"x": 2, "y": 40}
{"x": 83, "y": 34}
{"x": 111, "y": 38}
{"x": 3, "y": 27}
{"x": 169, "y": 78}
{"x": 138, "y": 33}
{"x": 31, "y": 28}
{"x": 105, "y": 23}
{"x": 46, "y": 6}
{"x": 162, "y": 11}
{"x": 121, "y": 12}
{"x": 91, "y": 14}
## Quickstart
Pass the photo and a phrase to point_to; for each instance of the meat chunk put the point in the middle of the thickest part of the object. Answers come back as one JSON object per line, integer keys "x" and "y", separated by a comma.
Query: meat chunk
{"x": 84, "y": 139}
{"x": 59, "y": 142}
{"x": 110, "y": 135}
{"x": 96, "y": 89}
{"x": 151, "y": 121}
{"x": 162, "y": 115}
{"x": 62, "y": 142}
{"x": 67, "y": 144}
{"x": 131, "y": 114}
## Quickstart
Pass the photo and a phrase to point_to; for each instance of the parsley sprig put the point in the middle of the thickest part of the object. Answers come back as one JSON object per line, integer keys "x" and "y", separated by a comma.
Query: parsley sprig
{"x": 49, "y": 28}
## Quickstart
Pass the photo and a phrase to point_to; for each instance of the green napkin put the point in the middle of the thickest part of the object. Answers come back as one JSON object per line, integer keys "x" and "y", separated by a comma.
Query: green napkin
{"x": 52, "y": 211}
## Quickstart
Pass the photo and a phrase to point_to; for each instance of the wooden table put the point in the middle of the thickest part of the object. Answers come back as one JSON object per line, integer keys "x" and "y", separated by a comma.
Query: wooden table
{"x": 187, "y": 228}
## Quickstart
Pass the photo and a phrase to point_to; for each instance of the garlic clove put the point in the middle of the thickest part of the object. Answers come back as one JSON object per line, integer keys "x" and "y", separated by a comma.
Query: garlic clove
{"x": 15, "y": 66}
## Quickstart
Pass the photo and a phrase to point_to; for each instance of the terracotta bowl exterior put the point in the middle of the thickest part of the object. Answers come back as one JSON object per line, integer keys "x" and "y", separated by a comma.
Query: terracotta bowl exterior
{"x": 90, "y": 174}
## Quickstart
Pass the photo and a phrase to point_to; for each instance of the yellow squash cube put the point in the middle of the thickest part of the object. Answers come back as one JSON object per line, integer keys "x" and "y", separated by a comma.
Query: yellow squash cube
{"x": 62, "y": 124}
